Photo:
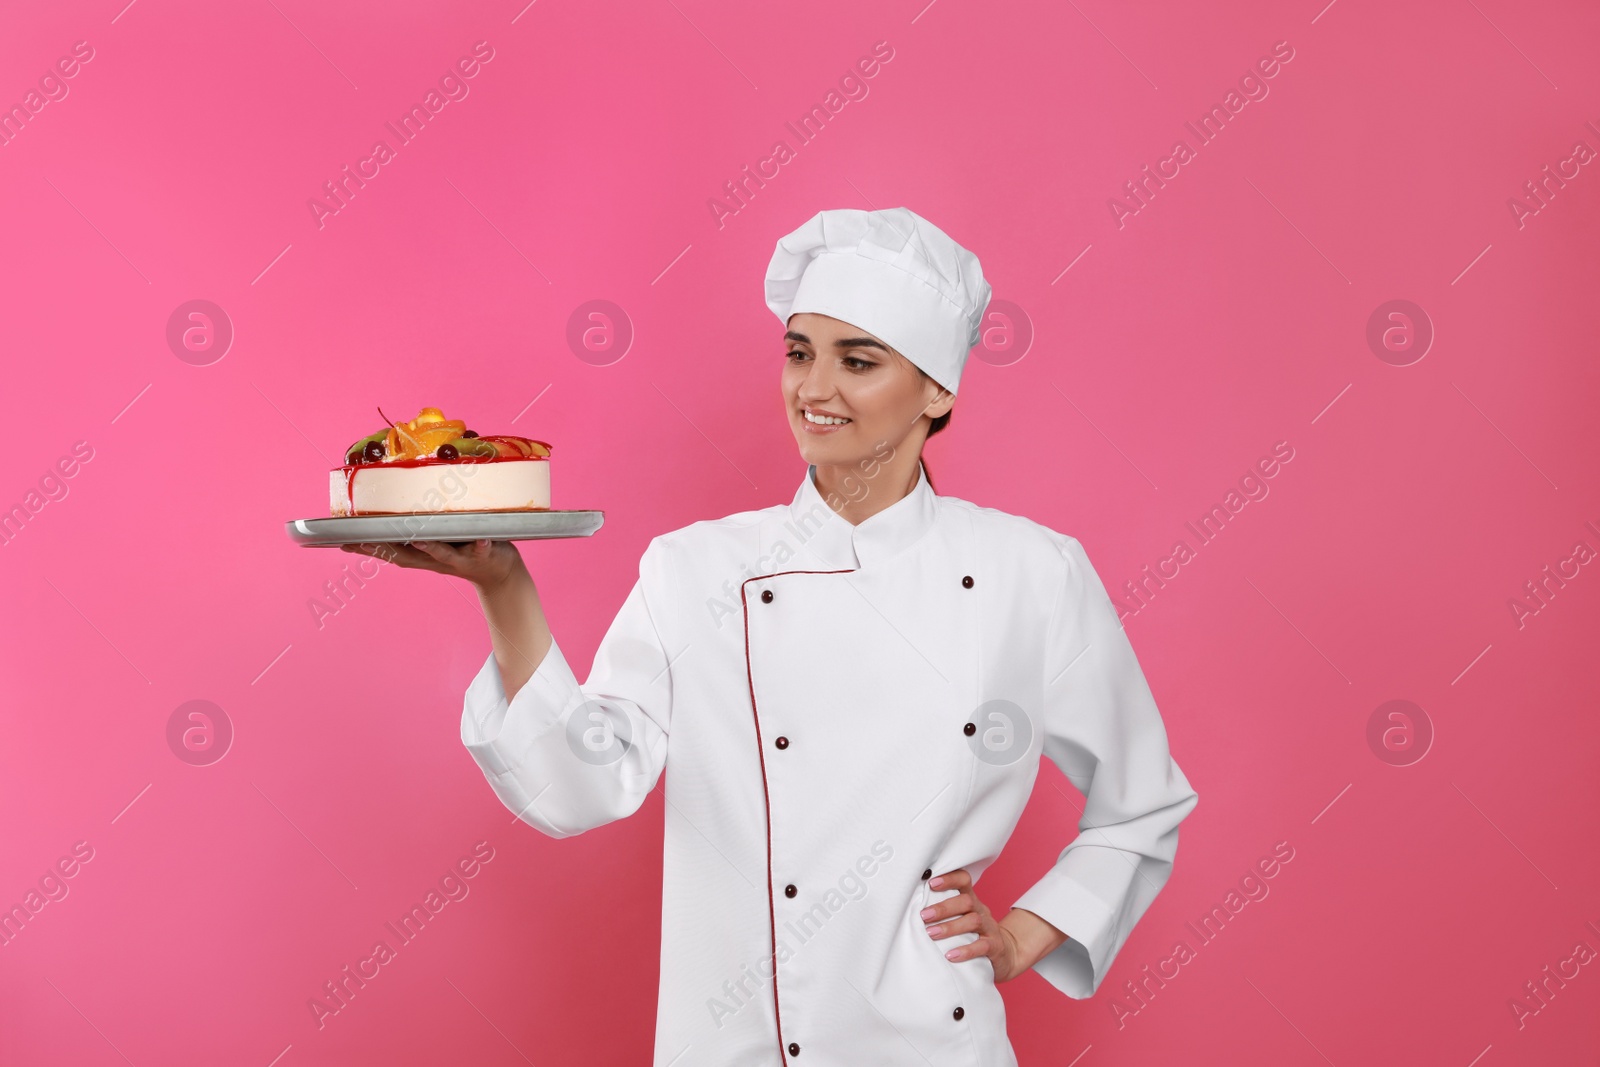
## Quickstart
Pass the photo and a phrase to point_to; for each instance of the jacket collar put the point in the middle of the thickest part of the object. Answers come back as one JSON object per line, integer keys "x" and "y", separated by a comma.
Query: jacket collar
{"x": 833, "y": 543}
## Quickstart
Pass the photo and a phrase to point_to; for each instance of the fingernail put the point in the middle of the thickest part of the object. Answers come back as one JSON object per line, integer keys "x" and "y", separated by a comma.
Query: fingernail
{"x": 927, "y": 913}
{"x": 936, "y": 883}
{"x": 952, "y": 954}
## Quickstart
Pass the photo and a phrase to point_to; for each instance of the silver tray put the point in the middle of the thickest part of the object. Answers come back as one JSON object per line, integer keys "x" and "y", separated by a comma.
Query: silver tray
{"x": 459, "y": 526}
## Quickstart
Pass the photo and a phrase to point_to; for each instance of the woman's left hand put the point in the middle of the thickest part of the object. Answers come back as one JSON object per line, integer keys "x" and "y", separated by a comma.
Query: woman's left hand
{"x": 964, "y": 913}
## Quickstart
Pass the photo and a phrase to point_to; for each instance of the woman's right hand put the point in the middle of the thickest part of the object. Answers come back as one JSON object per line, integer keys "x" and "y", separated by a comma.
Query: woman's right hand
{"x": 486, "y": 564}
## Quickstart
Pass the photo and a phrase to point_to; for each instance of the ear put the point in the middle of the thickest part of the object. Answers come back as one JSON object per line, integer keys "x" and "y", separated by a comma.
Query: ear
{"x": 942, "y": 399}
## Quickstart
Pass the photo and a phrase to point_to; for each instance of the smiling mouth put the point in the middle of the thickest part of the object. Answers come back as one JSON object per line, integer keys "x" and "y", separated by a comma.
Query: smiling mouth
{"x": 823, "y": 420}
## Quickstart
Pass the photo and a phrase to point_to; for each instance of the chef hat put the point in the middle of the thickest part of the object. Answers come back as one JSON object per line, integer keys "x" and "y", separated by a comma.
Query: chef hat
{"x": 890, "y": 272}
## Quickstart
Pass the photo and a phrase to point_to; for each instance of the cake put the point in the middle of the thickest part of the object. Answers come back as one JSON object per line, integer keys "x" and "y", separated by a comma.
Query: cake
{"x": 433, "y": 464}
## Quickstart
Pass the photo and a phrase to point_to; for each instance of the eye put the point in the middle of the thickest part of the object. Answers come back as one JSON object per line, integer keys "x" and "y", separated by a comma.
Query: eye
{"x": 795, "y": 352}
{"x": 855, "y": 363}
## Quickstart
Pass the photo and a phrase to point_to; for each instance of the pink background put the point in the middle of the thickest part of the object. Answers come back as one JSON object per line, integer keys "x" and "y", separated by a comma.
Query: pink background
{"x": 1229, "y": 314}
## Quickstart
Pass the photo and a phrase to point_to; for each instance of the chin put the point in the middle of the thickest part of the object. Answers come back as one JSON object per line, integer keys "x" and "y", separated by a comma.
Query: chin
{"x": 828, "y": 453}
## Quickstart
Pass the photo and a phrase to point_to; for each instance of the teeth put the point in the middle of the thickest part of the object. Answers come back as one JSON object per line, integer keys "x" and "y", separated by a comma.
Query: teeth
{"x": 824, "y": 420}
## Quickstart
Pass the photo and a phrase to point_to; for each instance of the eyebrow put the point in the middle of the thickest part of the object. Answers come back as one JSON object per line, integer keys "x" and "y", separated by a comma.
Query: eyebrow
{"x": 843, "y": 342}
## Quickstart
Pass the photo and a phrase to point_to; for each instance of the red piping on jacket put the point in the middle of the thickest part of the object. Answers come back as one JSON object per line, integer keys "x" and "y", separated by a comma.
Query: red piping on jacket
{"x": 772, "y": 914}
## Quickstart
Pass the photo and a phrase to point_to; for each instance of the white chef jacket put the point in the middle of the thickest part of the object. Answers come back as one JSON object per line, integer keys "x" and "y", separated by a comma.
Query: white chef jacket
{"x": 845, "y": 709}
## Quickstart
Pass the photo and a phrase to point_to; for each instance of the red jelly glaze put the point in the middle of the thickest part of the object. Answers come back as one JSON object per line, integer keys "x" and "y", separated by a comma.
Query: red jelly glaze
{"x": 425, "y": 461}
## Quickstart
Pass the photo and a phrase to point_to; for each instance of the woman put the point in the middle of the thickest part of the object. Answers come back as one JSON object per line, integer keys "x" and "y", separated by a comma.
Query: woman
{"x": 852, "y": 692}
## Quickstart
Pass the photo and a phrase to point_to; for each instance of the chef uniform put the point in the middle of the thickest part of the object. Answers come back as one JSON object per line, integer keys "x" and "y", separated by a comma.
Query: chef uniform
{"x": 843, "y": 711}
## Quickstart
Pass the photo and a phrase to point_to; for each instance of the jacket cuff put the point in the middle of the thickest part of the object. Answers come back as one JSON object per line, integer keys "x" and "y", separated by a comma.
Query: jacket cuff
{"x": 1086, "y": 896}
{"x": 498, "y": 739}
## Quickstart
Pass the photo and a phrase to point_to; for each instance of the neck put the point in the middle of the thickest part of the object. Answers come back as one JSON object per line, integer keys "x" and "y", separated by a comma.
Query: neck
{"x": 857, "y": 495}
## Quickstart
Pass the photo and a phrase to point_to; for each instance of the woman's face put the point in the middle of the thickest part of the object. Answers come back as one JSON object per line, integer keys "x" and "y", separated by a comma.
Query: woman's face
{"x": 834, "y": 370}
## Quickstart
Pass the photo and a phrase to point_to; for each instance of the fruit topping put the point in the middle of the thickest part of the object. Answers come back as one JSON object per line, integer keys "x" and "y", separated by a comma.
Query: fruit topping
{"x": 357, "y": 451}
{"x": 510, "y": 445}
{"x": 502, "y": 448}
{"x": 396, "y": 443}
{"x": 431, "y": 435}
{"x": 471, "y": 446}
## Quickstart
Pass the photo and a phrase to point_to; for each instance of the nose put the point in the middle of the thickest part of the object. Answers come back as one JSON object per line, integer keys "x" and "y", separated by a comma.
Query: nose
{"x": 818, "y": 382}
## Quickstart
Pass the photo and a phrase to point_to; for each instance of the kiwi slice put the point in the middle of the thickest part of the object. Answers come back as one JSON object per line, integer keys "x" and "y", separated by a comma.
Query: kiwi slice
{"x": 473, "y": 446}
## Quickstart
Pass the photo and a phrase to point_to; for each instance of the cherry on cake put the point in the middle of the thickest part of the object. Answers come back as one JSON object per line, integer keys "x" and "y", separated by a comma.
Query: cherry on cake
{"x": 432, "y": 464}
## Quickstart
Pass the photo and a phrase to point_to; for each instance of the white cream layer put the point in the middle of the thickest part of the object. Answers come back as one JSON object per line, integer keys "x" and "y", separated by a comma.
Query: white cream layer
{"x": 500, "y": 485}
